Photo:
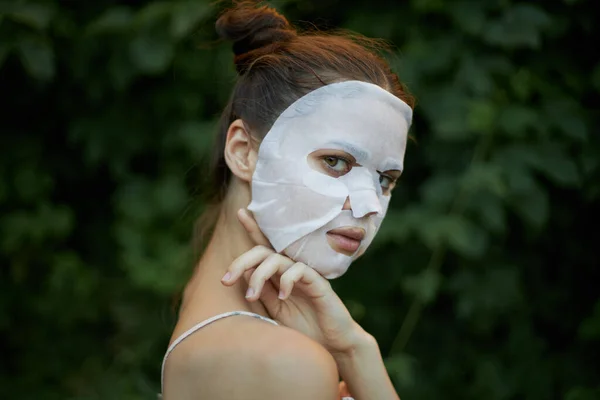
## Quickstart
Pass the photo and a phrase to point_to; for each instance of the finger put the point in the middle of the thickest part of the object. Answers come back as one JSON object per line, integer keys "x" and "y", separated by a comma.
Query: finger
{"x": 268, "y": 294}
{"x": 273, "y": 264}
{"x": 343, "y": 390}
{"x": 250, "y": 225}
{"x": 268, "y": 298}
{"x": 246, "y": 261}
{"x": 289, "y": 279}
{"x": 313, "y": 284}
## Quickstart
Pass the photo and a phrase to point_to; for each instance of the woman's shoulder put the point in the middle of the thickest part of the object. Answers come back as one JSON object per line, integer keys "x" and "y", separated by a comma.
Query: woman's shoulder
{"x": 237, "y": 357}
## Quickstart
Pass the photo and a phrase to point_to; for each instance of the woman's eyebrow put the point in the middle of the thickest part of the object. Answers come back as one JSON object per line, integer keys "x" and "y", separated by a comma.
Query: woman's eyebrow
{"x": 359, "y": 154}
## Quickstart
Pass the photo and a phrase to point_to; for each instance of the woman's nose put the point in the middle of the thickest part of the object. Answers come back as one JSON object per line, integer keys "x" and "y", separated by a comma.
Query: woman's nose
{"x": 347, "y": 206}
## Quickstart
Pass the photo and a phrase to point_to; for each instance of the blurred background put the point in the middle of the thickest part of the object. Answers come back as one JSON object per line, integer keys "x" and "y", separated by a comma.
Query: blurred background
{"x": 483, "y": 282}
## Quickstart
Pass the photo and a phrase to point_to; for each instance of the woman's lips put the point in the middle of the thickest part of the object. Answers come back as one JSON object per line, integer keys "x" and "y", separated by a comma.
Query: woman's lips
{"x": 345, "y": 240}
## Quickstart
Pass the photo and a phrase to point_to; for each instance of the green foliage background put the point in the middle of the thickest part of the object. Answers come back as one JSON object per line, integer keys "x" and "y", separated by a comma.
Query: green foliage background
{"x": 483, "y": 283}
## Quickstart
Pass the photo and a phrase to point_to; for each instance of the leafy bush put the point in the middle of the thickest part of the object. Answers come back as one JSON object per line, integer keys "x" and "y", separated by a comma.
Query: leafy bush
{"x": 483, "y": 282}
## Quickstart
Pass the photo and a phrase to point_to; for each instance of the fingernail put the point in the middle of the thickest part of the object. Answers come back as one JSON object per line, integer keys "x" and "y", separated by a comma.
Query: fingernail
{"x": 249, "y": 292}
{"x": 281, "y": 294}
{"x": 226, "y": 277}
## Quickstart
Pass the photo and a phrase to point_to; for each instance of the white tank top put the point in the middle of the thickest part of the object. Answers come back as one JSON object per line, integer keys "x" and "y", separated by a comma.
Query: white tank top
{"x": 201, "y": 325}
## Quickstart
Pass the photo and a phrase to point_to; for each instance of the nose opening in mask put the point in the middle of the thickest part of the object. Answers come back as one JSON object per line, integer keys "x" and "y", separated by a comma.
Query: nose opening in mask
{"x": 364, "y": 202}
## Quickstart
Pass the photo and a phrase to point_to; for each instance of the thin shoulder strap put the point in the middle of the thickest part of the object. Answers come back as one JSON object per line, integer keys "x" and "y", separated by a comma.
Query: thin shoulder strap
{"x": 201, "y": 325}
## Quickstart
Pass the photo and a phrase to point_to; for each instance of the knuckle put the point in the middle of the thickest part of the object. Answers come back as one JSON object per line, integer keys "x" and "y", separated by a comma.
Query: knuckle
{"x": 263, "y": 248}
{"x": 300, "y": 267}
{"x": 273, "y": 257}
{"x": 279, "y": 261}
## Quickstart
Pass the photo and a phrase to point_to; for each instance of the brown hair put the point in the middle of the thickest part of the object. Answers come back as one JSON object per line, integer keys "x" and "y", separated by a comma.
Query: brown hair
{"x": 277, "y": 65}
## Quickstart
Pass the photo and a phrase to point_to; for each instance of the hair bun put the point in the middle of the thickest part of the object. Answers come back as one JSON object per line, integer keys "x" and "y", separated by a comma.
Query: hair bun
{"x": 251, "y": 27}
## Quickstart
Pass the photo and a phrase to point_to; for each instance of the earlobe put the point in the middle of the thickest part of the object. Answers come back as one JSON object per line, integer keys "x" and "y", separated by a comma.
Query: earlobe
{"x": 240, "y": 154}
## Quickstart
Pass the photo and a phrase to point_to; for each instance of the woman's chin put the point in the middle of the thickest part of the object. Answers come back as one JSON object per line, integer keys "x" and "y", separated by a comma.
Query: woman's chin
{"x": 330, "y": 266}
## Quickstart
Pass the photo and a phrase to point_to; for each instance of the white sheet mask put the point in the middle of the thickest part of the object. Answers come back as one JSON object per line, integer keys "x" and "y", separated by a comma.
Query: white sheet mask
{"x": 296, "y": 204}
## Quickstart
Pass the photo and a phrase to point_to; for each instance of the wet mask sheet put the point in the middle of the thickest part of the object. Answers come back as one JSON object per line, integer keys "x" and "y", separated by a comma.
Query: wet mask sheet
{"x": 297, "y": 198}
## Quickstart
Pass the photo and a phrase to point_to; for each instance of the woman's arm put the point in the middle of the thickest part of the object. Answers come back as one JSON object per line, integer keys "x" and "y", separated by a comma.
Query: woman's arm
{"x": 363, "y": 370}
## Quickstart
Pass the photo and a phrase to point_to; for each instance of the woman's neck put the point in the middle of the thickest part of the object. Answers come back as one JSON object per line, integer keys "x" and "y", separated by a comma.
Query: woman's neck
{"x": 229, "y": 240}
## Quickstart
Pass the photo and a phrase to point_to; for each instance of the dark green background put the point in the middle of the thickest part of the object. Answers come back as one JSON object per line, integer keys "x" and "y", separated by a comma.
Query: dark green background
{"x": 483, "y": 282}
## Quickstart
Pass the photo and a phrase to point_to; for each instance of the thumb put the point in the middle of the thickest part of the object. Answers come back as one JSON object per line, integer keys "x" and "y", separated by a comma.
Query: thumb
{"x": 250, "y": 225}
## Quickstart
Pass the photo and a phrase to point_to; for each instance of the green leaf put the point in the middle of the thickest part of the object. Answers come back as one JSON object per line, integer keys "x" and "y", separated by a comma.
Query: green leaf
{"x": 573, "y": 126}
{"x": 401, "y": 369}
{"x": 519, "y": 179}
{"x": 484, "y": 177}
{"x": 514, "y": 158}
{"x": 473, "y": 75}
{"x": 515, "y": 120}
{"x": 468, "y": 15}
{"x": 169, "y": 195}
{"x": 196, "y": 137}
{"x": 432, "y": 56}
{"x": 490, "y": 291}
{"x": 153, "y": 13}
{"x": 151, "y": 52}
{"x": 398, "y": 225}
{"x": 556, "y": 165}
{"x": 548, "y": 158}
{"x": 186, "y": 16}
{"x": 440, "y": 190}
{"x": 532, "y": 205}
{"x": 459, "y": 233}
{"x": 120, "y": 70}
{"x": 490, "y": 211}
{"x": 114, "y": 20}
{"x": 481, "y": 116}
{"x": 565, "y": 114}
{"x": 37, "y": 57}
{"x": 423, "y": 286}
{"x": 37, "y": 16}
{"x": 522, "y": 83}
{"x": 446, "y": 110}
{"x": 468, "y": 239}
{"x": 520, "y": 26}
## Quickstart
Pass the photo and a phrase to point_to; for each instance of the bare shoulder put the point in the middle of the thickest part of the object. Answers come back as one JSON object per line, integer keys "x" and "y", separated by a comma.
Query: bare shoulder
{"x": 244, "y": 358}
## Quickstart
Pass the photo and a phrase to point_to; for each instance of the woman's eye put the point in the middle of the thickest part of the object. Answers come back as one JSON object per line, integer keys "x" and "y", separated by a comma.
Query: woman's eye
{"x": 337, "y": 164}
{"x": 385, "y": 181}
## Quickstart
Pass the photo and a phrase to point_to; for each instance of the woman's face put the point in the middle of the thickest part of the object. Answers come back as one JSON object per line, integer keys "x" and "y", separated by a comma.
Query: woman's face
{"x": 335, "y": 163}
{"x": 325, "y": 173}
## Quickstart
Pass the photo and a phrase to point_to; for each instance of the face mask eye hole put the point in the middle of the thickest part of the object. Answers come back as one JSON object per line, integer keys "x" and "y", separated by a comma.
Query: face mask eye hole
{"x": 386, "y": 182}
{"x": 338, "y": 165}
{"x": 332, "y": 162}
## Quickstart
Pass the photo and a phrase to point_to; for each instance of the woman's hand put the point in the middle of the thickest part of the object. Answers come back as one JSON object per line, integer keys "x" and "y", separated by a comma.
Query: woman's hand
{"x": 294, "y": 294}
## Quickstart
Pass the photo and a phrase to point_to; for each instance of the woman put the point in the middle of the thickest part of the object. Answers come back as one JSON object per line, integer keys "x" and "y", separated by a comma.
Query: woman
{"x": 311, "y": 144}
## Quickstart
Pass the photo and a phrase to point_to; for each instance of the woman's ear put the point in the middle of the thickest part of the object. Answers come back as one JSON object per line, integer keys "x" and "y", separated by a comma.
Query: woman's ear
{"x": 240, "y": 154}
